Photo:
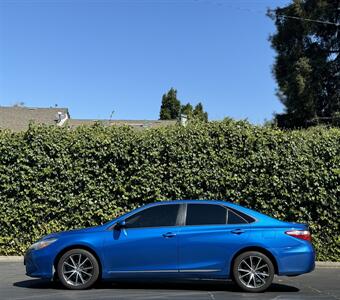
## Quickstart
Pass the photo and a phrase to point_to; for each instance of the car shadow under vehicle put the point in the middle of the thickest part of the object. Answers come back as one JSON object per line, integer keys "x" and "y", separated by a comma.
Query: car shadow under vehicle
{"x": 190, "y": 285}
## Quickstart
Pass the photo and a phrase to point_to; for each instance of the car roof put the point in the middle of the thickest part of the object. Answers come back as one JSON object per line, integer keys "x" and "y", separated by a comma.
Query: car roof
{"x": 180, "y": 201}
{"x": 220, "y": 202}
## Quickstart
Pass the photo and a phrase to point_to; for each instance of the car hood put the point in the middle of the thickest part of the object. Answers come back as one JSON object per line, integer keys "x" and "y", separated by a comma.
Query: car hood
{"x": 72, "y": 232}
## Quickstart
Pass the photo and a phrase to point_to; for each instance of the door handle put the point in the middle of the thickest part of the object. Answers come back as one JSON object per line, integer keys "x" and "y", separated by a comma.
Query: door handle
{"x": 169, "y": 235}
{"x": 238, "y": 231}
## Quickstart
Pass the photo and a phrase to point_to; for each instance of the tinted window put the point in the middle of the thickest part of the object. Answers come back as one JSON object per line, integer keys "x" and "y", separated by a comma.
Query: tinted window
{"x": 249, "y": 219}
{"x": 233, "y": 218}
{"x": 205, "y": 214}
{"x": 157, "y": 216}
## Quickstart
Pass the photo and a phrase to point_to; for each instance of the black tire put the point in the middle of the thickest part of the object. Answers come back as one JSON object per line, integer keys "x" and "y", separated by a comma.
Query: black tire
{"x": 78, "y": 269}
{"x": 253, "y": 271}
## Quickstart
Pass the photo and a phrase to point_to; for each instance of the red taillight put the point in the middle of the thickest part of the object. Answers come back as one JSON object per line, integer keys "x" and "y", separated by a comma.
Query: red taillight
{"x": 300, "y": 234}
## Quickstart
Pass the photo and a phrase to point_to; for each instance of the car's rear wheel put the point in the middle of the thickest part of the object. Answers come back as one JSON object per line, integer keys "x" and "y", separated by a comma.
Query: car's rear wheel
{"x": 78, "y": 269}
{"x": 253, "y": 271}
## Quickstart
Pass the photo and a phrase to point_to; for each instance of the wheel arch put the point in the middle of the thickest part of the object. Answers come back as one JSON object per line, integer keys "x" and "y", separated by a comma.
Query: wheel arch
{"x": 258, "y": 249}
{"x": 77, "y": 246}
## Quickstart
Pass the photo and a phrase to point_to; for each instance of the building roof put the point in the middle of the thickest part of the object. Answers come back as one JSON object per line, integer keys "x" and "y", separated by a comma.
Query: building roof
{"x": 137, "y": 124}
{"x": 18, "y": 118}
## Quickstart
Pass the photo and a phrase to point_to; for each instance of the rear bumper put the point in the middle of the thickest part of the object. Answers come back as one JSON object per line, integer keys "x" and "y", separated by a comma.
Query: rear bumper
{"x": 38, "y": 264}
{"x": 296, "y": 260}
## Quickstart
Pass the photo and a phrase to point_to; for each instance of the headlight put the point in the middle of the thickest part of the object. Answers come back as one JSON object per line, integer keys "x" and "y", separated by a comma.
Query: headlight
{"x": 42, "y": 244}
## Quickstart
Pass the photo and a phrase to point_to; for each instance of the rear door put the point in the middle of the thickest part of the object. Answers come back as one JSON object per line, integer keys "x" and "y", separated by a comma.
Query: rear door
{"x": 207, "y": 241}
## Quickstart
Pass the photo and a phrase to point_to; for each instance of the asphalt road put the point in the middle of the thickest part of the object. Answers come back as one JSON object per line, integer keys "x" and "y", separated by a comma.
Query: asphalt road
{"x": 321, "y": 284}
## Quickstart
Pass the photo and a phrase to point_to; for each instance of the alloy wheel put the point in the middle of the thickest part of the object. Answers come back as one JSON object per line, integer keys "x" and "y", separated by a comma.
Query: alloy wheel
{"x": 77, "y": 269}
{"x": 253, "y": 272}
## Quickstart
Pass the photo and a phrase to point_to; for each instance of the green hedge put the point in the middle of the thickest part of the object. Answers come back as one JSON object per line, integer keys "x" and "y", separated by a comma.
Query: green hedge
{"x": 54, "y": 179}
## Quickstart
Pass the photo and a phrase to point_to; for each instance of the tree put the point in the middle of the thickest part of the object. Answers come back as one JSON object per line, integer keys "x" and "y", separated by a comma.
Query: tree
{"x": 196, "y": 113}
{"x": 199, "y": 113}
{"x": 307, "y": 66}
{"x": 171, "y": 106}
{"x": 187, "y": 110}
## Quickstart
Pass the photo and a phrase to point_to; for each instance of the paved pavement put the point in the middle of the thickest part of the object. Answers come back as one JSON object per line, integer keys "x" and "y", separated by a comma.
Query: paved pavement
{"x": 323, "y": 283}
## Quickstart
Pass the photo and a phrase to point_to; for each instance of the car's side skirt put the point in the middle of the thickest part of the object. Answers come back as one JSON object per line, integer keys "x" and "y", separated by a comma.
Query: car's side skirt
{"x": 199, "y": 270}
{"x": 168, "y": 271}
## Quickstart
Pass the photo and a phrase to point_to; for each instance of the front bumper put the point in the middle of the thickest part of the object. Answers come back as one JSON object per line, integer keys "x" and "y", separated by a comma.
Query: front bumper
{"x": 38, "y": 263}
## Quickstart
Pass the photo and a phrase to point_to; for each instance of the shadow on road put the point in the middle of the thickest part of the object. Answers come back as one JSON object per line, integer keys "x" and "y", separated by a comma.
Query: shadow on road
{"x": 199, "y": 285}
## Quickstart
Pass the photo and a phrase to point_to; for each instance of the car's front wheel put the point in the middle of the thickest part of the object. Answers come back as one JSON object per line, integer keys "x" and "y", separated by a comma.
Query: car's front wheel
{"x": 253, "y": 271}
{"x": 78, "y": 269}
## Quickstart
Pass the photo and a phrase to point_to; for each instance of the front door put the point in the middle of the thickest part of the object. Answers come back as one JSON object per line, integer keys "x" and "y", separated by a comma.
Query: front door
{"x": 146, "y": 245}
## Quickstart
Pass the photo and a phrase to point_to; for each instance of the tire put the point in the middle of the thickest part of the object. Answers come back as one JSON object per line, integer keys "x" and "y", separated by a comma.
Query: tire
{"x": 78, "y": 269}
{"x": 253, "y": 271}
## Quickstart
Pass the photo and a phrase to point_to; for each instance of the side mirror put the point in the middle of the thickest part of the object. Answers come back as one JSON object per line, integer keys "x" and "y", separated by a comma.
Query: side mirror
{"x": 119, "y": 225}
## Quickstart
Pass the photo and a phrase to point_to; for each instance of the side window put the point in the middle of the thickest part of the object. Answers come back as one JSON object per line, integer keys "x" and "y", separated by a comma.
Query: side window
{"x": 234, "y": 218}
{"x": 156, "y": 216}
{"x": 206, "y": 214}
{"x": 248, "y": 218}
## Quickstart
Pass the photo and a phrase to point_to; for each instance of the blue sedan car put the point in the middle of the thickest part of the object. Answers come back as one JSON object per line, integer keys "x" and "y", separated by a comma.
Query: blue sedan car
{"x": 177, "y": 240}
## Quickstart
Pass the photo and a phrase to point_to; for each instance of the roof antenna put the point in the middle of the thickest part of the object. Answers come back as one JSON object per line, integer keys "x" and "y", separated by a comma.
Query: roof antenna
{"x": 113, "y": 111}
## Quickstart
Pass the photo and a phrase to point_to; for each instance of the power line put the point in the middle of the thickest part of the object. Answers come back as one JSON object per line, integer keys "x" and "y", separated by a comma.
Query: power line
{"x": 283, "y": 15}
{"x": 307, "y": 19}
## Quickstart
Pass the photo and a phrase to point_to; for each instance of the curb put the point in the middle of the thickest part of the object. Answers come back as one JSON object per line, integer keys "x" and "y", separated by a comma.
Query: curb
{"x": 318, "y": 264}
{"x": 11, "y": 259}
{"x": 327, "y": 264}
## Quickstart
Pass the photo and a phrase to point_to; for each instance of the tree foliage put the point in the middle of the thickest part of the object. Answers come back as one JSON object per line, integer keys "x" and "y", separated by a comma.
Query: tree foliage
{"x": 187, "y": 109}
{"x": 171, "y": 108}
{"x": 199, "y": 113}
{"x": 307, "y": 66}
{"x": 54, "y": 179}
{"x": 195, "y": 113}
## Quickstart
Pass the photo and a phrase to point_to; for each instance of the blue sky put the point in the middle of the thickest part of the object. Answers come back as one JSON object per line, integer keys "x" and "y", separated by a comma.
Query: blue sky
{"x": 96, "y": 56}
